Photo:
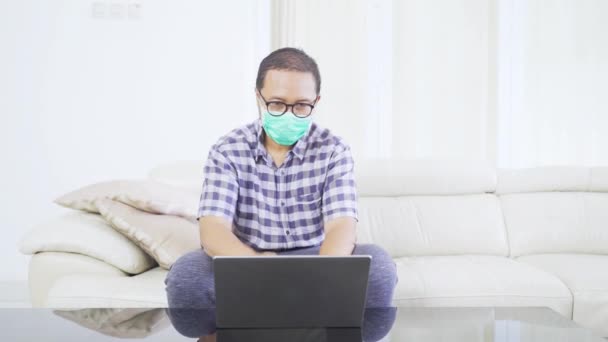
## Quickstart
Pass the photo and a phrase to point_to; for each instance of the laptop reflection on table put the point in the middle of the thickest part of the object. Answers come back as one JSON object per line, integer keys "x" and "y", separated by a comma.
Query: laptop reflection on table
{"x": 290, "y": 334}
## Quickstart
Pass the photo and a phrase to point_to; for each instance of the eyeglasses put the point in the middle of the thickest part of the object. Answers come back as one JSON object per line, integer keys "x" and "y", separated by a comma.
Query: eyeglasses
{"x": 278, "y": 108}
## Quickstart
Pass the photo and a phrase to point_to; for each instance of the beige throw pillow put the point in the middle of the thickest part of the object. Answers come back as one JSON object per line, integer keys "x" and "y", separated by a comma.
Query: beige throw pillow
{"x": 148, "y": 195}
{"x": 164, "y": 237}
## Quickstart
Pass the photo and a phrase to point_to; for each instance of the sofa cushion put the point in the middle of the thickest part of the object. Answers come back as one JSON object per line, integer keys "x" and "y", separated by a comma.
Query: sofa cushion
{"x": 556, "y": 222}
{"x": 88, "y": 234}
{"x": 552, "y": 178}
{"x": 164, "y": 237}
{"x": 586, "y": 277}
{"x": 400, "y": 177}
{"x": 145, "y": 290}
{"x": 433, "y": 225}
{"x": 476, "y": 280}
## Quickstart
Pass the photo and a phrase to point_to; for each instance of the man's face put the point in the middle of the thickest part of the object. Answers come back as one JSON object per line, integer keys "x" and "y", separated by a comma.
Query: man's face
{"x": 289, "y": 87}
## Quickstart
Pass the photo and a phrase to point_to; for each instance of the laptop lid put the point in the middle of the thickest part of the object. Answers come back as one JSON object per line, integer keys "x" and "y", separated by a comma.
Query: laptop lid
{"x": 290, "y": 291}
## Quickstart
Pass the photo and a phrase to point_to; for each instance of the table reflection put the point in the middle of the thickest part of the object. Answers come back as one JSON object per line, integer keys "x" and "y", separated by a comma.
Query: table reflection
{"x": 420, "y": 324}
{"x": 200, "y": 323}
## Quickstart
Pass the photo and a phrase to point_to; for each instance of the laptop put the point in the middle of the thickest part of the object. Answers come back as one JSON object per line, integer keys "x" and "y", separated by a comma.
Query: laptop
{"x": 290, "y": 291}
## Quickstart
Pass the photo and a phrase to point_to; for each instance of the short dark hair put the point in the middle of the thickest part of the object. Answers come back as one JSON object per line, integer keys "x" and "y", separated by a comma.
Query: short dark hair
{"x": 288, "y": 58}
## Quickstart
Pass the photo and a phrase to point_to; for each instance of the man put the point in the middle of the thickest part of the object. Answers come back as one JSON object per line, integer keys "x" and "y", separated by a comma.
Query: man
{"x": 279, "y": 185}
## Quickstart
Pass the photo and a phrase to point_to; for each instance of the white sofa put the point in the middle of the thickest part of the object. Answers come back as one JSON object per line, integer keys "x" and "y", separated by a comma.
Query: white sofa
{"x": 461, "y": 233}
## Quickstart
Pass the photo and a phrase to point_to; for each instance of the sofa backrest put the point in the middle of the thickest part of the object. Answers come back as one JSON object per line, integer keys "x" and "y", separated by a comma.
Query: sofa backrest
{"x": 426, "y": 207}
{"x": 559, "y": 209}
{"x": 410, "y": 207}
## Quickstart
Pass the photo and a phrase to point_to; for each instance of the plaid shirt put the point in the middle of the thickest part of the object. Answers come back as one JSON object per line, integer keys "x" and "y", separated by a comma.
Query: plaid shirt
{"x": 279, "y": 208}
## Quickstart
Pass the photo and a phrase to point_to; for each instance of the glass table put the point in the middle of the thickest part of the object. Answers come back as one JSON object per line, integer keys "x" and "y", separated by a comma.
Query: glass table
{"x": 379, "y": 324}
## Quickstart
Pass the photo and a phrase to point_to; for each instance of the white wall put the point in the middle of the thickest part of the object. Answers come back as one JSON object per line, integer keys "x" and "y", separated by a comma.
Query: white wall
{"x": 402, "y": 78}
{"x": 85, "y": 99}
{"x": 518, "y": 83}
{"x": 553, "y": 80}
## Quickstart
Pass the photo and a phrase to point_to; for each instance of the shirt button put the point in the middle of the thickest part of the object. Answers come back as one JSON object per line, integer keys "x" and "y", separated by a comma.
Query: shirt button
{"x": 287, "y": 232}
{"x": 282, "y": 203}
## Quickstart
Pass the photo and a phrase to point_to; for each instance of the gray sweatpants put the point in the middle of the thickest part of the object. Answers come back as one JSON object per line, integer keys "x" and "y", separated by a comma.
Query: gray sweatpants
{"x": 190, "y": 281}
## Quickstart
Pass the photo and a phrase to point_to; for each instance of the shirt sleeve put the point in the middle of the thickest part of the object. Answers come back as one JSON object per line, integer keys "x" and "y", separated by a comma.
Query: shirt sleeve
{"x": 339, "y": 192}
{"x": 220, "y": 187}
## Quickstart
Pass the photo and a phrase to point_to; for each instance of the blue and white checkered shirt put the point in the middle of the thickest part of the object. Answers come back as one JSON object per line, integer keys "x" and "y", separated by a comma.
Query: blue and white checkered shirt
{"x": 279, "y": 208}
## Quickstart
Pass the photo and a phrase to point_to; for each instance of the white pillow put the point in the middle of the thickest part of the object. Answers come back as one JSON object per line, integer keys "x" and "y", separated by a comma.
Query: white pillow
{"x": 148, "y": 195}
{"x": 88, "y": 234}
{"x": 164, "y": 237}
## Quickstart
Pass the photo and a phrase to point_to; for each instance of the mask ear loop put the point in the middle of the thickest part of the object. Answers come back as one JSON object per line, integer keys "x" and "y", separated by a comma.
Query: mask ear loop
{"x": 257, "y": 101}
{"x": 314, "y": 109}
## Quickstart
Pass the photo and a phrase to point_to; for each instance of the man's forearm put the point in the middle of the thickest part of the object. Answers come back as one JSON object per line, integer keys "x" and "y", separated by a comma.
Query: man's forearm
{"x": 218, "y": 240}
{"x": 339, "y": 240}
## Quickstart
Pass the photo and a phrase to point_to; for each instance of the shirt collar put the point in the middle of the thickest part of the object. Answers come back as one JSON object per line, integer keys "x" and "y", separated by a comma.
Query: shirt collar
{"x": 298, "y": 149}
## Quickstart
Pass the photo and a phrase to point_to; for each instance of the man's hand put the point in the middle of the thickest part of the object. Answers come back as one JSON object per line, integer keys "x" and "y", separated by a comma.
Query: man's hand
{"x": 267, "y": 253}
{"x": 340, "y": 237}
{"x": 218, "y": 239}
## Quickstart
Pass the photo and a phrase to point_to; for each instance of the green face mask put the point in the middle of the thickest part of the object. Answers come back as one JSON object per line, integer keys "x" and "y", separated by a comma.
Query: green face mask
{"x": 285, "y": 129}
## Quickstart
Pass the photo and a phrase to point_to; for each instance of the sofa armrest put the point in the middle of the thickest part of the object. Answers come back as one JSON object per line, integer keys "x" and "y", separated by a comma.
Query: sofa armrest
{"x": 46, "y": 268}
